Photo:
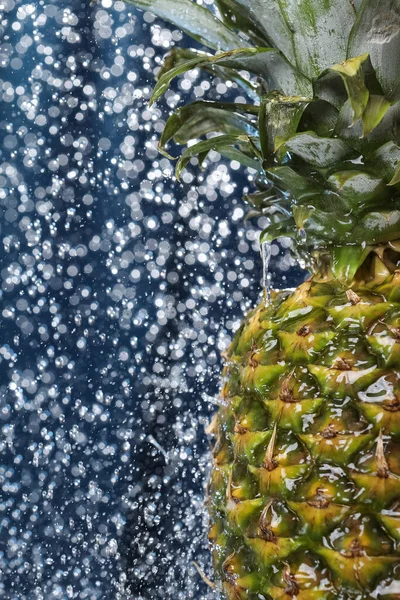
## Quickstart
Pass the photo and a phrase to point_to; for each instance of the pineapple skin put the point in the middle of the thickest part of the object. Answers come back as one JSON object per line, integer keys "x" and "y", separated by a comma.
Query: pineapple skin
{"x": 304, "y": 493}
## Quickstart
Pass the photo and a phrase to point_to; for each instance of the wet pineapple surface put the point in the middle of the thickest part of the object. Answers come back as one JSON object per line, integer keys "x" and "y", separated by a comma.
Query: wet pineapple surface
{"x": 304, "y": 495}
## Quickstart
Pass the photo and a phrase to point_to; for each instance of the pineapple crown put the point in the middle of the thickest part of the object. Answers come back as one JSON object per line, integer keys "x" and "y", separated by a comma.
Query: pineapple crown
{"x": 323, "y": 127}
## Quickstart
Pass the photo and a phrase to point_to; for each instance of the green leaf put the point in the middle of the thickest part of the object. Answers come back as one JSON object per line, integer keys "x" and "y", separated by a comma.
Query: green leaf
{"x": 267, "y": 16}
{"x": 199, "y": 60}
{"x": 378, "y": 227}
{"x": 319, "y": 151}
{"x": 352, "y": 74}
{"x": 274, "y": 68}
{"x": 199, "y": 118}
{"x": 195, "y": 20}
{"x": 279, "y": 117}
{"x": 282, "y": 228}
{"x": 330, "y": 223}
{"x": 386, "y": 161}
{"x": 334, "y": 205}
{"x": 236, "y": 17}
{"x": 330, "y": 88}
{"x": 232, "y": 153}
{"x": 163, "y": 82}
{"x": 265, "y": 199}
{"x": 178, "y": 56}
{"x": 301, "y": 189}
{"x": 320, "y": 32}
{"x": 267, "y": 63}
{"x": 346, "y": 260}
{"x": 388, "y": 129}
{"x": 222, "y": 144}
{"x": 359, "y": 190}
{"x": 301, "y": 214}
{"x": 375, "y": 111}
{"x": 319, "y": 116}
{"x": 396, "y": 177}
{"x": 377, "y": 31}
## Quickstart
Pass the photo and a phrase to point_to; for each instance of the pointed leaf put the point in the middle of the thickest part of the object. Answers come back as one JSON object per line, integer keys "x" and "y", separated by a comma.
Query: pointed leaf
{"x": 267, "y": 16}
{"x": 324, "y": 227}
{"x": 377, "y": 31}
{"x": 265, "y": 198}
{"x": 320, "y": 32}
{"x": 195, "y": 20}
{"x": 302, "y": 189}
{"x": 330, "y": 88}
{"x": 286, "y": 227}
{"x": 378, "y": 227}
{"x": 268, "y": 63}
{"x": 334, "y": 204}
{"x": 345, "y": 260}
{"x": 279, "y": 118}
{"x": 388, "y": 129}
{"x": 374, "y": 112}
{"x": 232, "y": 153}
{"x": 237, "y": 17}
{"x": 319, "y": 151}
{"x": 396, "y": 177}
{"x": 301, "y": 215}
{"x": 352, "y": 74}
{"x": 178, "y": 56}
{"x": 319, "y": 116}
{"x": 387, "y": 162}
{"x": 163, "y": 82}
{"x": 219, "y": 144}
{"x": 274, "y": 68}
{"x": 360, "y": 190}
{"x": 199, "y": 118}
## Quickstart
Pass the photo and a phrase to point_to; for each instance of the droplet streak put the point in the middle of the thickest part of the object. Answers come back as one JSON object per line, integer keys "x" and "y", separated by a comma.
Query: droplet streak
{"x": 265, "y": 250}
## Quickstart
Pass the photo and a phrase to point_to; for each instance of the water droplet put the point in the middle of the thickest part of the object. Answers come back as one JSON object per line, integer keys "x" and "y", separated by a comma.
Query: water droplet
{"x": 265, "y": 250}
{"x": 301, "y": 236}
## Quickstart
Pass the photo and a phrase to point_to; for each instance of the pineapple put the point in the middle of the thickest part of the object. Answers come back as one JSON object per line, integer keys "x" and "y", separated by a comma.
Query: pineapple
{"x": 304, "y": 493}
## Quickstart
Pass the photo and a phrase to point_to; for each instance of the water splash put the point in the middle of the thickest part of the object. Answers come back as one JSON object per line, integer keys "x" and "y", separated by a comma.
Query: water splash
{"x": 154, "y": 442}
{"x": 265, "y": 250}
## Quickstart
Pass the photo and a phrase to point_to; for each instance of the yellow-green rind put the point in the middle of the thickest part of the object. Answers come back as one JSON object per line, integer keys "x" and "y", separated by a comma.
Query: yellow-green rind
{"x": 304, "y": 496}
